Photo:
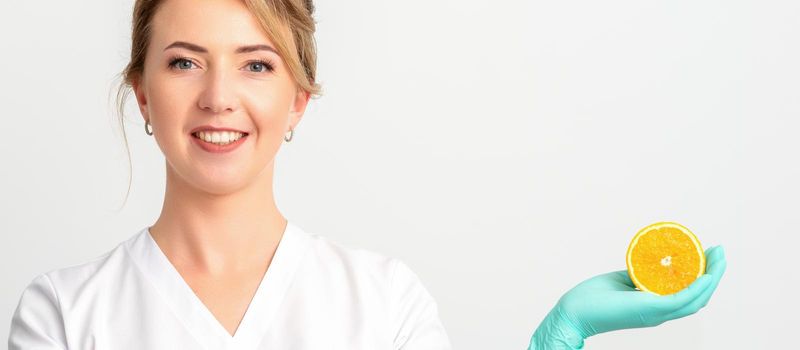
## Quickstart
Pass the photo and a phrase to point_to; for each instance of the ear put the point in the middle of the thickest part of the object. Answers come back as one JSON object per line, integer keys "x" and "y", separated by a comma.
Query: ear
{"x": 298, "y": 107}
{"x": 141, "y": 98}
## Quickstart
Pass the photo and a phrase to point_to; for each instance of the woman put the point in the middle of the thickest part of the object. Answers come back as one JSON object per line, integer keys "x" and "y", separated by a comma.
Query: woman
{"x": 220, "y": 84}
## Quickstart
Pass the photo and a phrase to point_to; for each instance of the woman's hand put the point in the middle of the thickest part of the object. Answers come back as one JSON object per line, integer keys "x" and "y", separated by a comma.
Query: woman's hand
{"x": 610, "y": 302}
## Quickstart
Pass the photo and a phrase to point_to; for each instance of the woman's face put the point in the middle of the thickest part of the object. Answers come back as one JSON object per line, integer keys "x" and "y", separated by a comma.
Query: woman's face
{"x": 199, "y": 72}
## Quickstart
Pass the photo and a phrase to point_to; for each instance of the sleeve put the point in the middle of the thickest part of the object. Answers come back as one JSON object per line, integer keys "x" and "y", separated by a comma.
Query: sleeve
{"x": 37, "y": 323}
{"x": 415, "y": 313}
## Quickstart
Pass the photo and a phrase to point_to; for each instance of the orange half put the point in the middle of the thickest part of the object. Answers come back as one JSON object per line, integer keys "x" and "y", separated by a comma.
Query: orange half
{"x": 664, "y": 258}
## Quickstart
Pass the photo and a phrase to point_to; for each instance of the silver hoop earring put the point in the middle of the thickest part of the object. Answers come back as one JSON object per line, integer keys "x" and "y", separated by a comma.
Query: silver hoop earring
{"x": 291, "y": 135}
{"x": 150, "y": 131}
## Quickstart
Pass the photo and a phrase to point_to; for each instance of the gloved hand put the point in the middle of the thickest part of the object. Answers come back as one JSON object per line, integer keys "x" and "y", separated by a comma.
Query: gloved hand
{"x": 610, "y": 302}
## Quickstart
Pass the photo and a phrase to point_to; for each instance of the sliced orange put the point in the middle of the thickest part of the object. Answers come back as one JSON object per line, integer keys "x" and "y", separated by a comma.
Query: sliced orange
{"x": 664, "y": 258}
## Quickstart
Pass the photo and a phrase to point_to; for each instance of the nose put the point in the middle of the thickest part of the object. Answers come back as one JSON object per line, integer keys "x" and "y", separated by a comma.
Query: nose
{"x": 219, "y": 95}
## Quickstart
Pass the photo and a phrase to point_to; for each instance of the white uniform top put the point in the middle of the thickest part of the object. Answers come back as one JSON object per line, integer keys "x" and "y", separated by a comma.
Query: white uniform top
{"x": 316, "y": 294}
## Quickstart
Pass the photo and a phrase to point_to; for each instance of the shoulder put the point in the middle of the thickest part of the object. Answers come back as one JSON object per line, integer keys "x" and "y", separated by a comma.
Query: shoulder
{"x": 359, "y": 268}
{"x": 400, "y": 282}
{"x": 336, "y": 254}
{"x": 413, "y": 311}
{"x": 333, "y": 254}
{"x": 38, "y": 320}
{"x": 392, "y": 271}
{"x": 64, "y": 283}
{"x": 91, "y": 271}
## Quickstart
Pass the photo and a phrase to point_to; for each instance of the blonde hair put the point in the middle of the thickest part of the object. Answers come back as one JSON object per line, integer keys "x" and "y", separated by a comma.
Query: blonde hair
{"x": 296, "y": 46}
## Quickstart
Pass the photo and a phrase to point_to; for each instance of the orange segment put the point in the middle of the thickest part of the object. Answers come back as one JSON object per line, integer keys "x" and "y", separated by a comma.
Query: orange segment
{"x": 664, "y": 258}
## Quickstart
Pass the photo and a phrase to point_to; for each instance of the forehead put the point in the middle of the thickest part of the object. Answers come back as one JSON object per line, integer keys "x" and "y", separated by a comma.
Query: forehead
{"x": 215, "y": 24}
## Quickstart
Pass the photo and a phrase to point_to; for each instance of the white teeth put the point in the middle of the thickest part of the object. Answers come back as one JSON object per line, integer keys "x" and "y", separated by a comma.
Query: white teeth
{"x": 220, "y": 138}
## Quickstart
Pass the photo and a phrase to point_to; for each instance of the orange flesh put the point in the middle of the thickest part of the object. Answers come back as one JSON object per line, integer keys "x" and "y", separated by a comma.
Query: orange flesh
{"x": 665, "y": 260}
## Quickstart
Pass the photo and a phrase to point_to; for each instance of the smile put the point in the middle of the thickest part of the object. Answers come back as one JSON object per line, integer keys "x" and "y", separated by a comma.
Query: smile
{"x": 219, "y": 142}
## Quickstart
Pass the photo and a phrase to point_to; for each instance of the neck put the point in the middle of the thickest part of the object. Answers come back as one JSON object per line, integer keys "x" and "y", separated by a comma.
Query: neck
{"x": 216, "y": 233}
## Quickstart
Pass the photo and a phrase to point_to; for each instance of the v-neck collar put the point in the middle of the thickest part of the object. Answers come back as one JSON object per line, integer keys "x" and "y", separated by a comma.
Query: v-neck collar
{"x": 191, "y": 311}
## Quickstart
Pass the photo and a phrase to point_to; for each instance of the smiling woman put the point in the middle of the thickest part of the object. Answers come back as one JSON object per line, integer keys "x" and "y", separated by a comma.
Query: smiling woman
{"x": 219, "y": 84}
{"x": 289, "y": 25}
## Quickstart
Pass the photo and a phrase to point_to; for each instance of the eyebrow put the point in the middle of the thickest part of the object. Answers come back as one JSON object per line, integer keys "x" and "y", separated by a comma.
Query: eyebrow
{"x": 240, "y": 49}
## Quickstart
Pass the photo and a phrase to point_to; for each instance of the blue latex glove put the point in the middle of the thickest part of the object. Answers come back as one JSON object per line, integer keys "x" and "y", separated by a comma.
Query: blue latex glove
{"x": 610, "y": 302}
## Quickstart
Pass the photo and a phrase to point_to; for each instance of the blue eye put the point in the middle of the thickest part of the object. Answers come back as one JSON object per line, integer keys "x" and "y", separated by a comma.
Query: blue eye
{"x": 183, "y": 63}
{"x": 264, "y": 65}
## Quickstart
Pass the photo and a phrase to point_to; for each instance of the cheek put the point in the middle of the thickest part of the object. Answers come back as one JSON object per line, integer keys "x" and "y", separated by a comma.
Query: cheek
{"x": 170, "y": 105}
{"x": 269, "y": 110}
{"x": 167, "y": 101}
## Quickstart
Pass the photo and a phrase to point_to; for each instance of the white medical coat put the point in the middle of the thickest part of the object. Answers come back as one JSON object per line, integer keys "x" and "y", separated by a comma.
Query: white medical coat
{"x": 316, "y": 294}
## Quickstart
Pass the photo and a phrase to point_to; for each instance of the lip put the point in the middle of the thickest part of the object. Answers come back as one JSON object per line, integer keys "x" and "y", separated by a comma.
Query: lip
{"x": 212, "y": 148}
{"x": 214, "y": 128}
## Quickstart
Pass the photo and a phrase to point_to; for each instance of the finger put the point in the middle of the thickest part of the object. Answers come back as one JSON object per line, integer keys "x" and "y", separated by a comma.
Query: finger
{"x": 702, "y": 301}
{"x": 667, "y": 306}
{"x": 693, "y": 306}
{"x": 713, "y": 262}
{"x": 672, "y": 302}
{"x": 710, "y": 249}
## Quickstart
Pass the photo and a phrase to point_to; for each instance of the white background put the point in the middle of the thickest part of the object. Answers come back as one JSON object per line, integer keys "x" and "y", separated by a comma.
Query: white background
{"x": 506, "y": 150}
